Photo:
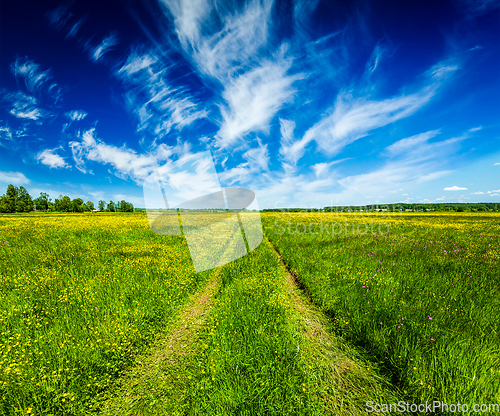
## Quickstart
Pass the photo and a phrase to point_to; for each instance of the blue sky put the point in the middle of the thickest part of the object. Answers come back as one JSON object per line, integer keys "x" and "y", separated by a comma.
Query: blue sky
{"x": 307, "y": 103}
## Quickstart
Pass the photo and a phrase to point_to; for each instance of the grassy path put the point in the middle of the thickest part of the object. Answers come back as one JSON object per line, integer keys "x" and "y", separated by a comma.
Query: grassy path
{"x": 159, "y": 374}
{"x": 344, "y": 381}
{"x": 250, "y": 344}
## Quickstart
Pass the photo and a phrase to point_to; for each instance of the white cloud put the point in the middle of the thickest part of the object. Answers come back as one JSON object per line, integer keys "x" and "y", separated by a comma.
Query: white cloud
{"x": 76, "y": 115}
{"x": 377, "y": 56}
{"x": 225, "y": 44}
{"x": 158, "y": 105}
{"x": 434, "y": 175}
{"x": 442, "y": 70}
{"x": 322, "y": 169}
{"x": 31, "y": 74}
{"x": 75, "y": 27}
{"x": 477, "y": 193}
{"x": 473, "y": 129}
{"x": 58, "y": 16}
{"x": 15, "y": 178}
{"x": 291, "y": 149}
{"x": 258, "y": 158}
{"x": 50, "y": 158}
{"x": 253, "y": 99}
{"x": 98, "y": 195}
{"x": 355, "y": 118}
{"x": 24, "y": 106}
{"x": 496, "y": 164}
{"x": 409, "y": 144}
{"x": 188, "y": 18}
{"x": 97, "y": 52}
{"x": 5, "y": 134}
{"x": 454, "y": 188}
{"x": 221, "y": 49}
{"x": 126, "y": 161}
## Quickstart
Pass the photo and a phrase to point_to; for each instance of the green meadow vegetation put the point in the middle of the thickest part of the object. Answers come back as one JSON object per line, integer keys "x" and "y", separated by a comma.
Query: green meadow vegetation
{"x": 419, "y": 294}
{"x": 99, "y": 315}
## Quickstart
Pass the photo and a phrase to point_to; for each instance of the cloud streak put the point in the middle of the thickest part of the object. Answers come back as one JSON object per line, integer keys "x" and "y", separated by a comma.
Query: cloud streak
{"x": 127, "y": 163}
{"x": 97, "y": 52}
{"x": 15, "y": 178}
{"x": 454, "y": 188}
{"x": 50, "y": 158}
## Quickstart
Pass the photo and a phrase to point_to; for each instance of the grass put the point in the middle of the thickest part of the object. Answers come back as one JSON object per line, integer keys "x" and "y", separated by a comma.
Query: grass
{"x": 254, "y": 356}
{"x": 82, "y": 295}
{"x": 95, "y": 308}
{"x": 421, "y": 298}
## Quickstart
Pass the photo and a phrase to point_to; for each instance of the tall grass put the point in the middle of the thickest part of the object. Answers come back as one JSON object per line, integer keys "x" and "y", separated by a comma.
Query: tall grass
{"x": 81, "y": 295}
{"x": 253, "y": 357}
{"x": 421, "y": 298}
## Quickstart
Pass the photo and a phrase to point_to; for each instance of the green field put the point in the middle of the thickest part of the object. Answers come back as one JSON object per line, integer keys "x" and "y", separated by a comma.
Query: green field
{"x": 98, "y": 315}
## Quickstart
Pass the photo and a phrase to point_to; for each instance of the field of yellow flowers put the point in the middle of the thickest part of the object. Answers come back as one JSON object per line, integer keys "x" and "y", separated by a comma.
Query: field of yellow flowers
{"x": 81, "y": 295}
{"x": 419, "y": 293}
{"x": 410, "y": 302}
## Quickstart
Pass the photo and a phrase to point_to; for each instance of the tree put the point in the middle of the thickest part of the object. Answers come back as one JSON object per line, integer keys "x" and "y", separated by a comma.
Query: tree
{"x": 24, "y": 203}
{"x": 76, "y": 205}
{"x": 88, "y": 206}
{"x": 63, "y": 204}
{"x": 11, "y": 198}
{"x": 42, "y": 202}
{"x": 101, "y": 205}
{"x": 111, "y": 206}
{"x": 125, "y": 206}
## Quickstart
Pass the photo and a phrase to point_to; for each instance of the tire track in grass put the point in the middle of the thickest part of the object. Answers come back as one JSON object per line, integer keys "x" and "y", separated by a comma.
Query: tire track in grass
{"x": 161, "y": 373}
{"x": 344, "y": 381}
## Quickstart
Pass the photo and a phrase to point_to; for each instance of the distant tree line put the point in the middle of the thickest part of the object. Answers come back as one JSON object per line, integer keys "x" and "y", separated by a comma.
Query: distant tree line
{"x": 402, "y": 207}
{"x": 17, "y": 199}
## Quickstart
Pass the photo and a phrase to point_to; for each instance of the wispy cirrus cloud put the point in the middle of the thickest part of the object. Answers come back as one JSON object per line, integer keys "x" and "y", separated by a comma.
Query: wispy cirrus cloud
{"x": 225, "y": 44}
{"x": 220, "y": 40}
{"x": 50, "y": 158}
{"x": 59, "y": 16}
{"x": 37, "y": 85}
{"x": 158, "y": 105}
{"x": 127, "y": 162}
{"x": 258, "y": 157}
{"x": 410, "y": 143}
{"x": 322, "y": 169}
{"x": 97, "y": 52}
{"x": 33, "y": 77}
{"x": 62, "y": 18}
{"x": 75, "y": 27}
{"x": 23, "y": 106}
{"x": 76, "y": 115}
{"x": 5, "y": 135}
{"x": 253, "y": 99}
{"x": 477, "y": 7}
{"x": 291, "y": 149}
{"x": 353, "y": 118}
{"x": 257, "y": 161}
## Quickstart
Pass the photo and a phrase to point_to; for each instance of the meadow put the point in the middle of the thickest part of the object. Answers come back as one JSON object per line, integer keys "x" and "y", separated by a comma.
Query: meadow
{"x": 417, "y": 292}
{"x": 82, "y": 295}
{"x": 408, "y": 311}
